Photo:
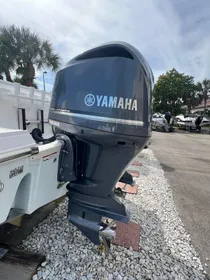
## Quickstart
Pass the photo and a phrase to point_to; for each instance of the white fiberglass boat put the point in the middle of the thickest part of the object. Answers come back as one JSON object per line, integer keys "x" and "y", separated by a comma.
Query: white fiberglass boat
{"x": 24, "y": 163}
{"x": 189, "y": 121}
{"x": 24, "y": 166}
{"x": 24, "y": 108}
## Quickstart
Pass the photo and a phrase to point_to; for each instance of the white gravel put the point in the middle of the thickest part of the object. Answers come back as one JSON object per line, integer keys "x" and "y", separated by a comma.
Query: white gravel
{"x": 167, "y": 252}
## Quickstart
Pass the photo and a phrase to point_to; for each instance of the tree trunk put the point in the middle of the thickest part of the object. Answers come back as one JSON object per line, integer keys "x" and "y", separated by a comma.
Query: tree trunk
{"x": 1, "y": 77}
{"x": 29, "y": 82}
{"x": 8, "y": 76}
{"x": 29, "y": 74}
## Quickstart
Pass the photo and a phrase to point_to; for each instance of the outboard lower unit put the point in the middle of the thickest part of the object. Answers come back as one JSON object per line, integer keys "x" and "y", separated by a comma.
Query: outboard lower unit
{"x": 101, "y": 103}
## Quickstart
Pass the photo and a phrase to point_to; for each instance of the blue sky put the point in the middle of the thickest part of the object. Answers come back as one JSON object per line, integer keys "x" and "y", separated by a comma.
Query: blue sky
{"x": 169, "y": 33}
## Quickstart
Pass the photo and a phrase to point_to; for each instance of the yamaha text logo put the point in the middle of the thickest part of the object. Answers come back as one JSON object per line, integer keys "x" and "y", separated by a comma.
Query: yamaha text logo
{"x": 110, "y": 102}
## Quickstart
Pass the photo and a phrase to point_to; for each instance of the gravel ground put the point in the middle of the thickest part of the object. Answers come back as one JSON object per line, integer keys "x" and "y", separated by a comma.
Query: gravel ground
{"x": 166, "y": 249}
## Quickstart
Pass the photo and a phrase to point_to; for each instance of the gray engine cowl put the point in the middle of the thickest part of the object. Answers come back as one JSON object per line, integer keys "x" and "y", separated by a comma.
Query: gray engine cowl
{"x": 108, "y": 89}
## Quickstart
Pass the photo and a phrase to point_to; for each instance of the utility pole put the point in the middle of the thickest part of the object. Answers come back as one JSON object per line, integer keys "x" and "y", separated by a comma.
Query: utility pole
{"x": 45, "y": 72}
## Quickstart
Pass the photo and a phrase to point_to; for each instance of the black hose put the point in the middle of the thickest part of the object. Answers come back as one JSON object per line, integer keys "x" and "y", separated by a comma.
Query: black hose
{"x": 37, "y": 136}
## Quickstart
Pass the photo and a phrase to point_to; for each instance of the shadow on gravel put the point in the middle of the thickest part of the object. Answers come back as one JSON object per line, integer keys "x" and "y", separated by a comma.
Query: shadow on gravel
{"x": 167, "y": 167}
{"x": 163, "y": 254}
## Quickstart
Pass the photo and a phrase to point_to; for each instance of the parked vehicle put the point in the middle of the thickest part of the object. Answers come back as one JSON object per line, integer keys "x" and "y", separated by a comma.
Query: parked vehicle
{"x": 191, "y": 121}
{"x": 160, "y": 123}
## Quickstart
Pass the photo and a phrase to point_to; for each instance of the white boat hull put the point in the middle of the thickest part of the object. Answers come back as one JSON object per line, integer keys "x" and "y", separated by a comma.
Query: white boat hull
{"x": 23, "y": 184}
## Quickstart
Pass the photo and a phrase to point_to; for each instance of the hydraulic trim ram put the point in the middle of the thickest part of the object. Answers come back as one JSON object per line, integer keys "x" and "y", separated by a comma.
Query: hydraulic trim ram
{"x": 101, "y": 102}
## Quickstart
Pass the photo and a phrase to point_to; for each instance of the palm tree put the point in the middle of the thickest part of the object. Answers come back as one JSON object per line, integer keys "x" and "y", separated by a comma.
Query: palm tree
{"x": 31, "y": 52}
{"x": 203, "y": 91}
{"x": 20, "y": 81}
{"x": 7, "y": 56}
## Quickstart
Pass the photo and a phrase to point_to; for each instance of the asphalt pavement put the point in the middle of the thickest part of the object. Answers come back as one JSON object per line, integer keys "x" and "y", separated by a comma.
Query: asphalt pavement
{"x": 185, "y": 158}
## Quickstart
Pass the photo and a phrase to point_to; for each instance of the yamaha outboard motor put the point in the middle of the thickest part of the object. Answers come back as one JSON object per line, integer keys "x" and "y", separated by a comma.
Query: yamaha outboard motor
{"x": 101, "y": 107}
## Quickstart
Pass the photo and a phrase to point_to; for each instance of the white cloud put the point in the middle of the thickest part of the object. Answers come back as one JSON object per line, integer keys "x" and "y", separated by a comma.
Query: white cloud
{"x": 155, "y": 27}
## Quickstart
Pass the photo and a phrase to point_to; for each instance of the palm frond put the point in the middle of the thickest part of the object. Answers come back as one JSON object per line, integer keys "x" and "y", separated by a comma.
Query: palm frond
{"x": 23, "y": 49}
